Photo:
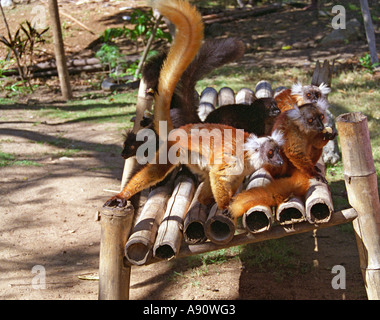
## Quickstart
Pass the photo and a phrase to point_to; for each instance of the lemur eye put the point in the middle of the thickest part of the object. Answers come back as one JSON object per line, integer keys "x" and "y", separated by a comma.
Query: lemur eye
{"x": 322, "y": 117}
{"x": 310, "y": 120}
{"x": 317, "y": 94}
{"x": 308, "y": 95}
{"x": 270, "y": 154}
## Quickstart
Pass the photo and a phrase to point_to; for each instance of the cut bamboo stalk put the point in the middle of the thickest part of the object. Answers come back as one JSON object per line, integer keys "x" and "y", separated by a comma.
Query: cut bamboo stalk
{"x": 209, "y": 95}
{"x": 194, "y": 224}
{"x": 263, "y": 89}
{"x": 219, "y": 227}
{"x": 129, "y": 165}
{"x": 114, "y": 275}
{"x": 226, "y": 96}
{"x": 275, "y": 232}
{"x": 207, "y": 102}
{"x": 204, "y": 109}
{"x": 362, "y": 190}
{"x": 245, "y": 96}
{"x": 258, "y": 218}
{"x": 318, "y": 201}
{"x": 291, "y": 211}
{"x": 138, "y": 249}
{"x": 169, "y": 235}
{"x": 144, "y": 102}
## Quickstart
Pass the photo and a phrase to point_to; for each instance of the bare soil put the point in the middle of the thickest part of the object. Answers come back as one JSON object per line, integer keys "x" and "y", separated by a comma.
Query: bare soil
{"x": 47, "y": 212}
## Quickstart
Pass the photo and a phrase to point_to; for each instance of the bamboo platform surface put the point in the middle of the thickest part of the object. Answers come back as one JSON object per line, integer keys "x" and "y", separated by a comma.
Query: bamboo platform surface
{"x": 173, "y": 223}
{"x": 170, "y": 222}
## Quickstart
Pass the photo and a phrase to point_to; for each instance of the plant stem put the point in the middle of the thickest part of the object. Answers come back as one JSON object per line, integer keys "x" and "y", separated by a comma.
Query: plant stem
{"x": 148, "y": 45}
{"x": 20, "y": 71}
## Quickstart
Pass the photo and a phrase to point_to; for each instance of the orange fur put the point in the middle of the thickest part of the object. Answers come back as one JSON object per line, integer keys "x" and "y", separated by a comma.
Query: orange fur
{"x": 271, "y": 195}
{"x": 285, "y": 100}
{"x": 301, "y": 151}
{"x": 187, "y": 41}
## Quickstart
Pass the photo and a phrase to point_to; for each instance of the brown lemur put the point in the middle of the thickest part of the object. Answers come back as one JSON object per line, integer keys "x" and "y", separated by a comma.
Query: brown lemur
{"x": 215, "y": 162}
{"x": 299, "y": 95}
{"x": 304, "y": 137}
{"x": 213, "y": 54}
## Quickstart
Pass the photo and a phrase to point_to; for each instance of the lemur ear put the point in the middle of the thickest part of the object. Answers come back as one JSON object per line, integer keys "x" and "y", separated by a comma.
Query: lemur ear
{"x": 278, "y": 137}
{"x": 322, "y": 105}
{"x": 252, "y": 143}
{"x": 324, "y": 88}
{"x": 294, "y": 113}
{"x": 297, "y": 89}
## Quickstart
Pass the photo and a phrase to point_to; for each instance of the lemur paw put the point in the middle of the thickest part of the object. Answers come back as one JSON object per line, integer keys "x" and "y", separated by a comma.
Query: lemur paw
{"x": 116, "y": 201}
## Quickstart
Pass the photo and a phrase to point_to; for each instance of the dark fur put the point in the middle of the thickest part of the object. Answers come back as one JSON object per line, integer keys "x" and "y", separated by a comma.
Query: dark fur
{"x": 257, "y": 118}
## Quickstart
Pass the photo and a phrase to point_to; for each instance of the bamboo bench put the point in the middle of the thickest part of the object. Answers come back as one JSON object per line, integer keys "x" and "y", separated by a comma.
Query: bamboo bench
{"x": 172, "y": 223}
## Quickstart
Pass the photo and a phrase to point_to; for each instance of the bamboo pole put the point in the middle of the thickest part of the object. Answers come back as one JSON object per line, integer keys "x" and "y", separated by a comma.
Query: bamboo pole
{"x": 170, "y": 235}
{"x": 275, "y": 232}
{"x": 144, "y": 102}
{"x": 263, "y": 89}
{"x": 362, "y": 190}
{"x": 258, "y": 218}
{"x": 209, "y": 95}
{"x": 245, "y": 96}
{"x": 114, "y": 276}
{"x": 318, "y": 201}
{"x": 207, "y": 102}
{"x": 194, "y": 224}
{"x": 219, "y": 227}
{"x": 138, "y": 249}
{"x": 291, "y": 211}
{"x": 226, "y": 96}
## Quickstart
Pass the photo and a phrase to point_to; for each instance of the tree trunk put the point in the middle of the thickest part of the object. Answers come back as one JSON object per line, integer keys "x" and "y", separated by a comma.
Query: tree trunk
{"x": 63, "y": 73}
{"x": 370, "y": 32}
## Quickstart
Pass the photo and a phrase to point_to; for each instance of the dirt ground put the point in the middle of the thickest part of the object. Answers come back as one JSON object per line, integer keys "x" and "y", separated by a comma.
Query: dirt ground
{"x": 47, "y": 212}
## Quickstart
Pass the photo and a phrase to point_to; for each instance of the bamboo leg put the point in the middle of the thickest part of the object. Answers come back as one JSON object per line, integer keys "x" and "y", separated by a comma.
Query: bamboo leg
{"x": 114, "y": 277}
{"x": 361, "y": 184}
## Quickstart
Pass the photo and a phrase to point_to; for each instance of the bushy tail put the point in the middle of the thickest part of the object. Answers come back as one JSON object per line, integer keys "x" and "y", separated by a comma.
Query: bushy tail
{"x": 187, "y": 41}
{"x": 271, "y": 195}
{"x": 212, "y": 55}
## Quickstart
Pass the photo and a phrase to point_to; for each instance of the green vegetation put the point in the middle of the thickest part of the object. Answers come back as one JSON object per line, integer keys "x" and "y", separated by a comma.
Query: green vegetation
{"x": 7, "y": 159}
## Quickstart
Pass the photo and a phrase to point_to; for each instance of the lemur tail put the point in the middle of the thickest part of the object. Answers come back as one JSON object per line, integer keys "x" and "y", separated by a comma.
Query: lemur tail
{"x": 187, "y": 41}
